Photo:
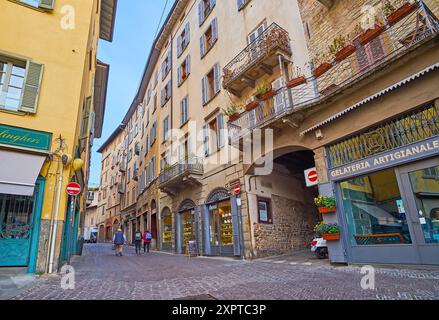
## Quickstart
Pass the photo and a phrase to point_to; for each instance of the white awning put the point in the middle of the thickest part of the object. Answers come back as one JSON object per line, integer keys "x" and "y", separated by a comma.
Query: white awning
{"x": 19, "y": 172}
{"x": 383, "y": 217}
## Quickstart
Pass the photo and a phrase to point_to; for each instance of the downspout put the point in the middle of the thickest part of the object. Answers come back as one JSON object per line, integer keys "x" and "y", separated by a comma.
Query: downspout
{"x": 55, "y": 220}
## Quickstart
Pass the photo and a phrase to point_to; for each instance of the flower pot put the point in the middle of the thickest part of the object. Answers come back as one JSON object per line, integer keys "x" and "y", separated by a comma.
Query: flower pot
{"x": 267, "y": 95}
{"x": 331, "y": 237}
{"x": 234, "y": 117}
{"x": 296, "y": 82}
{"x": 370, "y": 34}
{"x": 321, "y": 69}
{"x": 251, "y": 105}
{"x": 401, "y": 13}
{"x": 344, "y": 53}
{"x": 327, "y": 209}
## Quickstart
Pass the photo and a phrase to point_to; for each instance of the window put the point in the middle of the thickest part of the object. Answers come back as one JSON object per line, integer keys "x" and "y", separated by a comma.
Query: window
{"x": 431, "y": 173}
{"x": 211, "y": 84}
{"x": 256, "y": 33}
{"x": 156, "y": 78}
{"x": 19, "y": 84}
{"x": 166, "y": 65}
{"x": 369, "y": 54}
{"x": 164, "y": 163}
{"x": 242, "y": 4}
{"x": 264, "y": 211}
{"x": 213, "y": 135}
{"x": 166, "y": 93}
{"x": 155, "y": 103}
{"x": 184, "y": 70}
{"x": 43, "y": 4}
{"x": 209, "y": 38}
{"x": 184, "y": 110}
{"x": 205, "y": 7}
{"x": 183, "y": 40}
{"x": 166, "y": 129}
{"x": 148, "y": 96}
{"x": 153, "y": 133}
{"x": 374, "y": 210}
{"x": 147, "y": 145}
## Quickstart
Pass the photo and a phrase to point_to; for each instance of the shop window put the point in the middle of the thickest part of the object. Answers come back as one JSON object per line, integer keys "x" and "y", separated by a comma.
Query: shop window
{"x": 211, "y": 84}
{"x": 184, "y": 70}
{"x": 264, "y": 211}
{"x": 374, "y": 210}
{"x": 221, "y": 226}
{"x": 167, "y": 227}
{"x": 205, "y": 7}
{"x": 183, "y": 40}
{"x": 188, "y": 226}
{"x": 209, "y": 38}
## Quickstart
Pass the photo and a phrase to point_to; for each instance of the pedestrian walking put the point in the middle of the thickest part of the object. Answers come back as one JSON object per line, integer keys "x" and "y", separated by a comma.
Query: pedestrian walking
{"x": 119, "y": 239}
{"x": 147, "y": 237}
{"x": 137, "y": 241}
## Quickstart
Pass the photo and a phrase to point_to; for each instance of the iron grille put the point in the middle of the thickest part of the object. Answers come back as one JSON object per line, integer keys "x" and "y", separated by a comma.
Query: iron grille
{"x": 412, "y": 128}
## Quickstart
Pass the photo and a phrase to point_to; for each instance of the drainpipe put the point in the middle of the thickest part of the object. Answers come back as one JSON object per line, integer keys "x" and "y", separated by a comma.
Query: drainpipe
{"x": 55, "y": 221}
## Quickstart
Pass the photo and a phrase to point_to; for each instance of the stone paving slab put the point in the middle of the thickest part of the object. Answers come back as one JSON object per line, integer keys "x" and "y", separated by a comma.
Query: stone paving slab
{"x": 100, "y": 275}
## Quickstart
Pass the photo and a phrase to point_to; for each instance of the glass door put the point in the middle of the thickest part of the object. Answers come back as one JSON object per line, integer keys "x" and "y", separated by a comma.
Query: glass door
{"x": 420, "y": 182}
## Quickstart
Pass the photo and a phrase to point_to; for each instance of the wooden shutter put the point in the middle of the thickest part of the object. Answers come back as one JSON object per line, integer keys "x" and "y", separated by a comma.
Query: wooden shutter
{"x": 201, "y": 12}
{"x": 168, "y": 65}
{"x": 162, "y": 97}
{"x": 47, "y": 4}
{"x": 214, "y": 27}
{"x": 187, "y": 34}
{"x": 31, "y": 88}
{"x": 169, "y": 86}
{"x": 188, "y": 65}
{"x": 279, "y": 99}
{"x": 204, "y": 89}
{"x": 203, "y": 45}
{"x": 220, "y": 127}
{"x": 240, "y": 4}
{"x": 179, "y": 46}
{"x": 212, "y": 4}
{"x": 206, "y": 140}
{"x": 163, "y": 70}
{"x": 179, "y": 75}
{"x": 216, "y": 75}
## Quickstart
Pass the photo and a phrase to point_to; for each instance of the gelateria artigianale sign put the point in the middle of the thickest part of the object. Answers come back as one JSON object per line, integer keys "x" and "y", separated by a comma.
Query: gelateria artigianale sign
{"x": 25, "y": 138}
{"x": 395, "y": 157}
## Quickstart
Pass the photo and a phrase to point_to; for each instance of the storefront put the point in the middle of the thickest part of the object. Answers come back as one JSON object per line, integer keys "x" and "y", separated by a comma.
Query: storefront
{"x": 186, "y": 225}
{"x": 22, "y": 155}
{"x": 387, "y": 190}
{"x": 167, "y": 230}
{"x": 221, "y": 225}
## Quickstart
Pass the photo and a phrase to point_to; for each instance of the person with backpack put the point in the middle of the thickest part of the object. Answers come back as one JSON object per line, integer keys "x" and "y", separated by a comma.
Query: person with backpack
{"x": 147, "y": 238}
{"x": 137, "y": 241}
{"x": 119, "y": 239}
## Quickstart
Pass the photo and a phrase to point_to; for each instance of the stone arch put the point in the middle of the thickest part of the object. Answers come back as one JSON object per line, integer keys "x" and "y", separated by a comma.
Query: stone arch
{"x": 186, "y": 205}
{"x": 217, "y": 195}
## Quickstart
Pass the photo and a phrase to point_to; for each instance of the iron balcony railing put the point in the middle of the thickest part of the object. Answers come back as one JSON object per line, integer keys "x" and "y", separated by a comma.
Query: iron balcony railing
{"x": 188, "y": 166}
{"x": 273, "y": 38}
{"x": 394, "y": 41}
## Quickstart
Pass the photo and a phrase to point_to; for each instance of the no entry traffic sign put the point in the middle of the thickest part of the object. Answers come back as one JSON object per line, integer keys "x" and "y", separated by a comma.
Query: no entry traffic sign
{"x": 311, "y": 177}
{"x": 237, "y": 190}
{"x": 73, "y": 189}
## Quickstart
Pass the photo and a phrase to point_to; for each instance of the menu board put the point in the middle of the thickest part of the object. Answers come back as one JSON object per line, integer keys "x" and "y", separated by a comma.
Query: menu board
{"x": 192, "y": 249}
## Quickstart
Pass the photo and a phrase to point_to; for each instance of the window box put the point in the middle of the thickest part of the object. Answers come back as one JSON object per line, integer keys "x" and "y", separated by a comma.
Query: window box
{"x": 251, "y": 104}
{"x": 322, "y": 69}
{"x": 401, "y": 13}
{"x": 370, "y": 34}
{"x": 234, "y": 117}
{"x": 345, "y": 52}
{"x": 296, "y": 82}
{"x": 331, "y": 237}
{"x": 267, "y": 95}
{"x": 324, "y": 210}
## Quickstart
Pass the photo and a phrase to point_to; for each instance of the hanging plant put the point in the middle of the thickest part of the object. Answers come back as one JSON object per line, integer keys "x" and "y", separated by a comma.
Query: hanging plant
{"x": 325, "y": 204}
{"x": 340, "y": 49}
{"x": 328, "y": 231}
{"x": 265, "y": 92}
{"x": 233, "y": 112}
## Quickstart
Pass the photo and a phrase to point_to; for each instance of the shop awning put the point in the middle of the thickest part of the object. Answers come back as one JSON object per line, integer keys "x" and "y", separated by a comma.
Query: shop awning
{"x": 19, "y": 172}
{"x": 384, "y": 218}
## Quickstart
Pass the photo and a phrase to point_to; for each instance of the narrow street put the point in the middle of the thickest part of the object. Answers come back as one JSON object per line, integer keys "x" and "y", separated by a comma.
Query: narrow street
{"x": 99, "y": 274}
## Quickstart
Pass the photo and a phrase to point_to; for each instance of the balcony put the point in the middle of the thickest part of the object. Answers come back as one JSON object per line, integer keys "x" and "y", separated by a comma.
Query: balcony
{"x": 121, "y": 188}
{"x": 394, "y": 41}
{"x": 257, "y": 60}
{"x": 183, "y": 174}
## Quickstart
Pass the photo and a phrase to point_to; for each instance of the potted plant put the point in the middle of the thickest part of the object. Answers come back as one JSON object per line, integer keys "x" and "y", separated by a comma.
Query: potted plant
{"x": 233, "y": 112}
{"x": 328, "y": 231}
{"x": 395, "y": 15}
{"x": 371, "y": 33}
{"x": 325, "y": 204}
{"x": 321, "y": 65}
{"x": 340, "y": 49}
{"x": 297, "y": 80}
{"x": 265, "y": 92}
{"x": 251, "y": 103}
{"x": 166, "y": 168}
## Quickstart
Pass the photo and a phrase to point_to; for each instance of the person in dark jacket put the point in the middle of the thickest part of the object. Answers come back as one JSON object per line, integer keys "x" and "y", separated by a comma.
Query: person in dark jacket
{"x": 137, "y": 241}
{"x": 147, "y": 238}
{"x": 119, "y": 239}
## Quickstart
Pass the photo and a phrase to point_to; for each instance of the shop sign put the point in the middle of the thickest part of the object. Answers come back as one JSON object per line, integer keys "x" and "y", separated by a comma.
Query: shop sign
{"x": 25, "y": 138}
{"x": 385, "y": 160}
{"x": 311, "y": 177}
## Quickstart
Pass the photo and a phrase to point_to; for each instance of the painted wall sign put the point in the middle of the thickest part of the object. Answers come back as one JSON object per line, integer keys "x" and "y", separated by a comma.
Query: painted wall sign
{"x": 25, "y": 138}
{"x": 388, "y": 159}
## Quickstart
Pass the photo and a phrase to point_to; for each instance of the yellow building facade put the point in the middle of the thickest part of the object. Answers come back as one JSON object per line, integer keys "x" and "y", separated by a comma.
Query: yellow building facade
{"x": 51, "y": 108}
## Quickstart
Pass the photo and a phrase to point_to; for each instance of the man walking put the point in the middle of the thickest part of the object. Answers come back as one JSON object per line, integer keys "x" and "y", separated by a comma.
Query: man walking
{"x": 119, "y": 239}
{"x": 137, "y": 241}
{"x": 147, "y": 237}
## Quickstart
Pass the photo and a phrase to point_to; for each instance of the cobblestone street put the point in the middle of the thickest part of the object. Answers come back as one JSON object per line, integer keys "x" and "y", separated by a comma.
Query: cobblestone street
{"x": 102, "y": 275}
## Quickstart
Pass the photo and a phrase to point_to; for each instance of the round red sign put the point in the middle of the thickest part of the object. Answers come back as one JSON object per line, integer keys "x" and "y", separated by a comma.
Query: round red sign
{"x": 312, "y": 176}
{"x": 236, "y": 189}
{"x": 73, "y": 189}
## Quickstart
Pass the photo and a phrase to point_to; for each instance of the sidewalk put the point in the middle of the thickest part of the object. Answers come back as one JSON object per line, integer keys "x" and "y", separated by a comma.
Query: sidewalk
{"x": 14, "y": 280}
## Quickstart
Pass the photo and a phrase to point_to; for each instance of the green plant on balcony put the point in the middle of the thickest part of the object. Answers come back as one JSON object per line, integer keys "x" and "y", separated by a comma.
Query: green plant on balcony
{"x": 321, "y": 64}
{"x": 166, "y": 168}
{"x": 265, "y": 91}
{"x": 388, "y": 8}
{"x": 189, "y": 155}
{"x": 233, "y": 112}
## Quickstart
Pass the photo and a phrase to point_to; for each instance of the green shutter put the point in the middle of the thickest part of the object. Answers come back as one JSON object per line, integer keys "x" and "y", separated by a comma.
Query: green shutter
{"x": 47, "y": 4}
{"x": 31, "y": 88}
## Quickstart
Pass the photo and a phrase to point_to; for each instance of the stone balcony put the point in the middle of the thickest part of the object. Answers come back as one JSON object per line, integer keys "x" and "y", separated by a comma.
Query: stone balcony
{"x": 256, "y": 60}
